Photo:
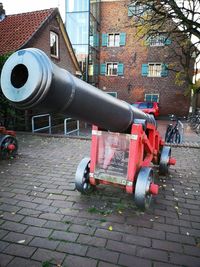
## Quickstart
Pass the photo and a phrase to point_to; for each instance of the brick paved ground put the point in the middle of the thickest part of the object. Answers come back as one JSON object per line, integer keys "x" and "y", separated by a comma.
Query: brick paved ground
{"x": 45, "y": 222}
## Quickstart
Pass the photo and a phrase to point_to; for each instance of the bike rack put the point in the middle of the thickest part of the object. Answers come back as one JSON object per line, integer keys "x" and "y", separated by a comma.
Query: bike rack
{"x": 73, "y": 131}
{"x": 42, "y": 128}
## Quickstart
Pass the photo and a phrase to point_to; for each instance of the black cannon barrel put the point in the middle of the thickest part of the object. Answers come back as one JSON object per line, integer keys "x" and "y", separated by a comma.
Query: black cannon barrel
{"x": 30, "y": 80}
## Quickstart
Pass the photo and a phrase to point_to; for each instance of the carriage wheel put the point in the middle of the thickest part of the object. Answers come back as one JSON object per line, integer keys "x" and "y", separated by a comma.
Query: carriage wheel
{"x": 145, "y": 188}
{"x": 8, "y": 146}
{"x": 164, "y": 160}
{"x": 82, "y": 182}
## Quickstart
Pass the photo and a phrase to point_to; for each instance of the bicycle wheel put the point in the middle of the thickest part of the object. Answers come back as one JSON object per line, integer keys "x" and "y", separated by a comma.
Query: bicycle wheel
{"x": 168, "y": 133}
{"x": 177, "y": 137}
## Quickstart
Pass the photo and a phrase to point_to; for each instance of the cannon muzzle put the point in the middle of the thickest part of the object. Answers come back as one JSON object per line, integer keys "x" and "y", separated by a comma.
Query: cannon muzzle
{"x": 31, "y": 81}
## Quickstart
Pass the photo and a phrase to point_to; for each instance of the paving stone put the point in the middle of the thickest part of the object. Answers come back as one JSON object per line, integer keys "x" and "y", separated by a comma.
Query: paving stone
{"x": 17, "y": 237}
{"x": 72, "y": 248}
{"x": 137, "y": 240}
{"x": 154, "y": 254}
{"x": 103, "y": 254}
{"x": 26, "y": 204}
{"x": 130, "y": 261}
{"x": 30, "y": 212}
{"x": 10, "y": 208}
{"x": 62, "y": 204}
{"x": 168, "y": 246}
{"x": 3, "y": 245}
{"x": 108, "y": 234}
{"x": 37, "y": 231}
{"x": 151, "y": 233}
{"x": 76, "y": 261}
{"x": 166, "y": 228}
{"x": 184, "y": 260}
{"x": 92, "y": 240}
{"x": 64, "y": 236}
{"x": 3, "y": 233}
{"x": 13, "y": 226}
{"x": 51, "y": 216}
{"x": 106, "y": 264}
{"x": 57, "y": 225}
{"x": 33, "y": 221}
{"x": 5, "y": 259}
{"x": 81, "y": 229}
{"x": 20, "y": 262}
{"x": 191, "y": 250}
{"x": 19, "y": 250}
{"x": 44, "y": 243}
{"x": 184, "y": 239}
{"x": 12, "y": 216}
{"x": 45, "y": 255}
{"x": 125, "y": 248}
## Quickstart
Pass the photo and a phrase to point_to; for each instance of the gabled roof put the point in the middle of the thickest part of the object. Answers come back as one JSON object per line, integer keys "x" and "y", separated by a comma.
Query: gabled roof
{"x": 16, "y": 30}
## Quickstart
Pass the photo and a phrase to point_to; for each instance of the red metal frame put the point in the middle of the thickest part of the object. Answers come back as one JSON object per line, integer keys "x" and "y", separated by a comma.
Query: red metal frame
{"x": 7, "y": 132}
{"x": 3, "y": 131}
{"x": 145, "y": 147}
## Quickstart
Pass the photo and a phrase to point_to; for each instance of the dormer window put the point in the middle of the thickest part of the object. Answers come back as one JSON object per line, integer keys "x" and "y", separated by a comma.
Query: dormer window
{"x": 54, "y": 45}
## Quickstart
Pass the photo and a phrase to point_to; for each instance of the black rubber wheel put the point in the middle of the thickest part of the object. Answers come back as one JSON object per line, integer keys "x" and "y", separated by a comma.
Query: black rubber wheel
{"x": 5, "y": 142}
{"x": 164, "y": 160}
{"x": 142, "y": 195}
{"x": 82, "y": 177}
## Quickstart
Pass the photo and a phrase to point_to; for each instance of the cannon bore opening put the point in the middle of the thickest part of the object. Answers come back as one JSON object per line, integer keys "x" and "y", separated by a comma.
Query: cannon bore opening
{"x": 19, "y": 76}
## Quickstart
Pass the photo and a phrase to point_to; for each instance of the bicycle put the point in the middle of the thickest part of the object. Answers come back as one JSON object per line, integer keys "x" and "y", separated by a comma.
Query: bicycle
{"x": 174, "y": 132}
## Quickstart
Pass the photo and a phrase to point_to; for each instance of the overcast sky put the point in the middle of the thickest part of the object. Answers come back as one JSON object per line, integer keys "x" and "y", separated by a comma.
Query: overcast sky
{"x": 21, "y": 6}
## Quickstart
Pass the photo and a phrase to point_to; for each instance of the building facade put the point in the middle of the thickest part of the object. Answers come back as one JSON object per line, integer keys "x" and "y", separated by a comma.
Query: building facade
{"x": 130, "y": 68}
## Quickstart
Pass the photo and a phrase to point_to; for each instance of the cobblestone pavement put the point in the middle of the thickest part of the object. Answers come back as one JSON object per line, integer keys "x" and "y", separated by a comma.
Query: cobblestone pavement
{"x": 45, "y": 222}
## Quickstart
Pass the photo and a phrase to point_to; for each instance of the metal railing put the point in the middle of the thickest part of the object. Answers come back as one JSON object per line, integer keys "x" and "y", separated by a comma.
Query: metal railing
{"x": 42, "y": 128}
{"x": 72, "y": 131}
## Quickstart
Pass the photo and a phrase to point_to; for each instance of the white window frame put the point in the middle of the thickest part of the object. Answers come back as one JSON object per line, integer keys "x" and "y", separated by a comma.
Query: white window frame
{"x": 110, "y": 73}
{"x": 157, "y": 40}
{"x": 137, "y": 9}
{"x": 152, "y": 94}
{"x": 154, "y": 69}
{"x": 54, "y": 40}
{"x": 116, "y": 40}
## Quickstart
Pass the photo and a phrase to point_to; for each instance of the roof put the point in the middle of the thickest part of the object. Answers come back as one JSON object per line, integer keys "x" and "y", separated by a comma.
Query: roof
{"x": 16, "y": 30}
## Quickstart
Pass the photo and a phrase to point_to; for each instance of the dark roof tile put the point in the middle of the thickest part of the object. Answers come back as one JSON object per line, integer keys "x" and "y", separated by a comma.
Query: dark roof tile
{"x": 16, "y": 30}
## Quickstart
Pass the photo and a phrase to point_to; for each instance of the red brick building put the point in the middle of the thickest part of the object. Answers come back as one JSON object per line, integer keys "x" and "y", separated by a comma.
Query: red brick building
{"x": 135, "y": 70}
{"x": 40, "y": 29}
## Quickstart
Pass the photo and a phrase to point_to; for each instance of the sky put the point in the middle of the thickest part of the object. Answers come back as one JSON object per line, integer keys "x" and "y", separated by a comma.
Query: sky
{"x": 21, "y": 6}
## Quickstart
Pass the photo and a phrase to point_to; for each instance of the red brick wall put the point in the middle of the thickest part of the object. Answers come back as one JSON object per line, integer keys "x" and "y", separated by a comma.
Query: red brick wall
{"x": 114, "y": 18}
{"x": 42, "y": 41}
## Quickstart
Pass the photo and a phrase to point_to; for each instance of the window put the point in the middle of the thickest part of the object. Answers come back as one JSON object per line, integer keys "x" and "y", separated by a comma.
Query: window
{"x": 113, "y": 39}
{"x": 136, "y": 9}
{"x": 155, "y": 70}
{"x": 54, "y": 44}
{"x": 112, "y": 69}
{"x": 158, "y": 40}
{"x": 151, "y": 97}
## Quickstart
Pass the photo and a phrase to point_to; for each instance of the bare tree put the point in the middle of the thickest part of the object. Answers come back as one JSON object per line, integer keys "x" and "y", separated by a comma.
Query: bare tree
{"x": 179, "y": 20}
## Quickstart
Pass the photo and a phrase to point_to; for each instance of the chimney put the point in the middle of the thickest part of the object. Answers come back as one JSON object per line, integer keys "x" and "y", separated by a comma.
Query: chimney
{"x": 2, "y": 12}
